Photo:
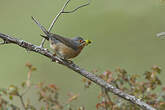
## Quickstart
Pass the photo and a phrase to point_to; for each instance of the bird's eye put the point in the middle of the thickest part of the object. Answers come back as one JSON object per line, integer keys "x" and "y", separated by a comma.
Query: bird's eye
{"x": 81, "y": 41}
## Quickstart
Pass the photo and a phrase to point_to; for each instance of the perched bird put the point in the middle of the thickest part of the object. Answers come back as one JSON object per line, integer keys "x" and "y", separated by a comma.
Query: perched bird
{"x": 65, "y": 48}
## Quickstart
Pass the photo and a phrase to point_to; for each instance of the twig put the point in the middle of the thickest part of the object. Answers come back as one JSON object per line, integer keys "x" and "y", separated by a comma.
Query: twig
{"x": 107, "y": 98}
{"x": 104, "y": 98}
{"x": 71, "y": 11}
{"x": 22, "y": 101}
{"x": 26, "y": 90}
{"x": 58, "y": 15}
{"x": 77, "y": 69}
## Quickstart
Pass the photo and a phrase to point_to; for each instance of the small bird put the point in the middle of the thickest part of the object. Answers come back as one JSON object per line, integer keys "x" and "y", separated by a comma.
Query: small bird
{"x": 65, "y": 48}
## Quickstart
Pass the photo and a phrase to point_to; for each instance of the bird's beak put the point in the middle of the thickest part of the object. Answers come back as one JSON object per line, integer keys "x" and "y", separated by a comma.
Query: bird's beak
{"x": 87, "y": 42}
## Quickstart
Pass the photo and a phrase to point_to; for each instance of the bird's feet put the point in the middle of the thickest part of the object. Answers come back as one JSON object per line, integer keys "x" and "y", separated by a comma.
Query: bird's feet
{"x": 69, "y": 61}
{"x": 53, "y": 60}
{"x": 66, "y": 60}
{"x": 62, "y": 58}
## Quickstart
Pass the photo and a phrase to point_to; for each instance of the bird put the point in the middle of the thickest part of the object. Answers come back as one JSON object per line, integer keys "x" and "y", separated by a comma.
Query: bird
{"x": 63, "y": 47}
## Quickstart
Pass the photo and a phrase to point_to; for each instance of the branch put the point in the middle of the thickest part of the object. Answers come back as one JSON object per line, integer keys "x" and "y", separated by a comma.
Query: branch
{"x": 22, "y": 101}
{"x": 71, "y": 11}
{"x": 58, "y": 15}
{"x": 105, "y": 98}
{"x": 77, "y": 69}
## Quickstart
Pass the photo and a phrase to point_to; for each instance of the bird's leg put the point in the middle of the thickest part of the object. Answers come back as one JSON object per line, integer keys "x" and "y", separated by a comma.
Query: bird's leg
{"x": 54, "y": 54}
{"x": 70, "y": 61}
{"x": 62, "y": 57}
{"x": 66, "y": 60}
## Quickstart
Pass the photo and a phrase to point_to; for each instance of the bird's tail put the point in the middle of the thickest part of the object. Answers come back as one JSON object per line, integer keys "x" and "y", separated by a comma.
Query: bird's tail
{"x": 42, "y": 28}
{"x": 46, "y": 37}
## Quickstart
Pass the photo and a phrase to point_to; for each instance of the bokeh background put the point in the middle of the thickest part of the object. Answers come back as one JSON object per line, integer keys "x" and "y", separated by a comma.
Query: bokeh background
{"x": 123, "y": 34}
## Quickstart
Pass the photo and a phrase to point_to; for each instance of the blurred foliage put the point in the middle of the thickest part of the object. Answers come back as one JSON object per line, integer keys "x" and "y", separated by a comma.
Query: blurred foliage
{"x": 145, "y": 89}
{"x": 48, "y": 94}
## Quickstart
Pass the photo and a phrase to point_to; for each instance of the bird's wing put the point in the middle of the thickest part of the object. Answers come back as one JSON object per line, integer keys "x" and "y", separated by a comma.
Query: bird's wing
{"x": 55, "y": 38}
{"x": 67, "y": 41}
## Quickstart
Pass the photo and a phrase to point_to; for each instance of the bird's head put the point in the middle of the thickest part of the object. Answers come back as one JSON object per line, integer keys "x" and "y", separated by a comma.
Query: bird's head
{"x": 81, "y": 41}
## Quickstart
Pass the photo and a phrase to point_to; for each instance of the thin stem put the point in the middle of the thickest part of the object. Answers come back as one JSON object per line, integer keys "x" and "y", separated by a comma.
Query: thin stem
{"x": 25, "y": 91}
{"x": 22, "y": 101}
{"x": 104, "y": 98}
{"x": 58, "y": 15}
{"x": 108, "y": 98}
{"x": 77, "y": 8}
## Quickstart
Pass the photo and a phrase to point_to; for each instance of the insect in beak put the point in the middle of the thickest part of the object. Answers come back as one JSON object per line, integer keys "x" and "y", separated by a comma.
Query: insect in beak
{"x": 87, "y": 42}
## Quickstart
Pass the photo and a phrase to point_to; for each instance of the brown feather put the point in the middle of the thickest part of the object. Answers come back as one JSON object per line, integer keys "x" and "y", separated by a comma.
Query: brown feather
{"x": 65, "y": 51}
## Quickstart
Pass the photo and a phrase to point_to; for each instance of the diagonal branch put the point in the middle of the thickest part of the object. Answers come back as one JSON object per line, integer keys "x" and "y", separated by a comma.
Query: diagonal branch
{"x": 77, "y": 69}
{"x": 58, "y": 15}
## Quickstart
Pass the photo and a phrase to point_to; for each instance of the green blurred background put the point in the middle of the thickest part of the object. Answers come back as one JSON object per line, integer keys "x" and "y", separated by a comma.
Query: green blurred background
{"x": 123, "y": 34}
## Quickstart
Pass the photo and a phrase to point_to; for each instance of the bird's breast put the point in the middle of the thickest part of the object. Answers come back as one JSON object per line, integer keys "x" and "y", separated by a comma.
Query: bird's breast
{"x": 65, "y": 51}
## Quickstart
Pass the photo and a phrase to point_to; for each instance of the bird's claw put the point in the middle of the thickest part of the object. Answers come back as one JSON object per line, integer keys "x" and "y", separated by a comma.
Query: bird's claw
{"x": 70, "y": 61}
